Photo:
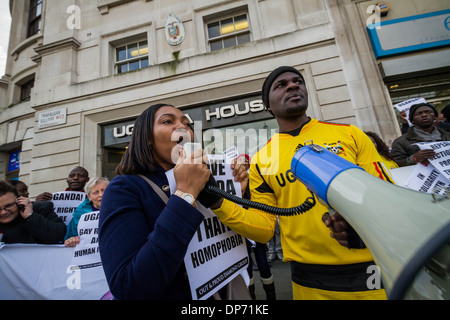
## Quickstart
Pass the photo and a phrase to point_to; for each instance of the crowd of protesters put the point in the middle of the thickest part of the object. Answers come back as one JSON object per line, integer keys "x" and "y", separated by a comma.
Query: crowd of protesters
{"x": 137, "y": 242}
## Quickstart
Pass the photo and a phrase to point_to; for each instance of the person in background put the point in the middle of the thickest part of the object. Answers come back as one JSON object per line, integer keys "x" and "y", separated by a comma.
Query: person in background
{"x": 22, "y": 191}
{"x": 76, "y": 180}
{"x": 422, "y": 116}
{"x": 444, "y": 119}
{"x": 22, "y": 221}
{"x": 275, "y": 251}
{"x": 383, "y": 150}
{"x": 95, "y": 189}
{"x": 21, "y": 188}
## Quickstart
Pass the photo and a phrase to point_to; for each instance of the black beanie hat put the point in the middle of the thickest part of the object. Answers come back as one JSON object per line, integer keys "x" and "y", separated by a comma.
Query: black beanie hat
{"x": 271, "y": 78}
{"x": 414, "y": 107}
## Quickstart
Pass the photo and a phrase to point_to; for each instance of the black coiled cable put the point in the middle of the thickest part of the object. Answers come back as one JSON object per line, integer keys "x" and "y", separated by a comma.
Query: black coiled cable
{"x": 286, "y": 212}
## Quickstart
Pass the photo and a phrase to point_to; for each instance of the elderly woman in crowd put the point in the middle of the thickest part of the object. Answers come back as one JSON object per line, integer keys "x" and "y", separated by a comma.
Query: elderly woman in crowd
{"x": 94, "y": 191}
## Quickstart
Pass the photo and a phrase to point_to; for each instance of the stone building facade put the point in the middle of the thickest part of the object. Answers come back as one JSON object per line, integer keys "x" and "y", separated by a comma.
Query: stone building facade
{"x": 79, "y": 72}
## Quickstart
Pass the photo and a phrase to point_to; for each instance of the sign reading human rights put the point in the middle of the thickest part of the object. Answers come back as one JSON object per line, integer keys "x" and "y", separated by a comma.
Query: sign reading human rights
{"x": 86, "y": 254}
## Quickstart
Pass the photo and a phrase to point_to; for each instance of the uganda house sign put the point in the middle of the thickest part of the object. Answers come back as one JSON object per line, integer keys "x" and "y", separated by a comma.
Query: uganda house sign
{"x": 174, "y": 30}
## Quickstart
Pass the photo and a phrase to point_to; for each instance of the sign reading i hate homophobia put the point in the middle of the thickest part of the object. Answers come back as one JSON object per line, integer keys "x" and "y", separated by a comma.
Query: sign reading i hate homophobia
{"x": 66, "y": 202}
{"x": 215, "y": 256}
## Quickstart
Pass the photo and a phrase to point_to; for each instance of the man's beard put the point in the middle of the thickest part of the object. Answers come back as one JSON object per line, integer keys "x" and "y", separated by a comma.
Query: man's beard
{"x": 298, "y": 109}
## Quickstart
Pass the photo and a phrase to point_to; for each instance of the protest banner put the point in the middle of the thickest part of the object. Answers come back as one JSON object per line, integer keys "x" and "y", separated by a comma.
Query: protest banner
{"x": 441, "y": 161}
{"x": 43, "y": 272}
{"x": 66, "y": 202}
{"x": 406, "y": 105}
{"x": 86, "y": 254}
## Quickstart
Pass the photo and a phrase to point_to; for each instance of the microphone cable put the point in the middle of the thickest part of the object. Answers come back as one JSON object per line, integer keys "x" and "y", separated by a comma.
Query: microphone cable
{"x": 285, "y": 212}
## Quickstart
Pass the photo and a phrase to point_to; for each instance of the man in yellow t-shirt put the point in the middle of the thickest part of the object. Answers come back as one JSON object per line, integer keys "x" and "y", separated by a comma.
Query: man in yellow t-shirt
{"x": 321, "y": 267}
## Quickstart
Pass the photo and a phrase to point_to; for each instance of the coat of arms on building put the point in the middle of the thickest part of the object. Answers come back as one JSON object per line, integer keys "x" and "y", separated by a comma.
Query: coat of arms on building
{"x": 174, "y": 30}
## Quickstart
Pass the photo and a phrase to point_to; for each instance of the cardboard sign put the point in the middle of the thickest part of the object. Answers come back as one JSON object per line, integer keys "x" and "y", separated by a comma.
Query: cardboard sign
{"x": 441, "y": 161}
{"x": 216, "y": 254}
{"x": 86, "y": 254}
{"x": 427, "y": 179}
{"x": 406, "y": 105}
{"x": 66, "y": 202}
{"x": 223, "y": 174}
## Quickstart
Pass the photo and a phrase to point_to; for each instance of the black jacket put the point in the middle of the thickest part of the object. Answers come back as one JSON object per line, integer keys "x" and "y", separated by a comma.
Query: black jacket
{"x": 43, "y": 226}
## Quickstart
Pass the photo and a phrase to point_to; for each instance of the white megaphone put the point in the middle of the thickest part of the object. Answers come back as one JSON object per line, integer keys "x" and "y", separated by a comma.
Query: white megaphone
{"x": 407, "y": 232}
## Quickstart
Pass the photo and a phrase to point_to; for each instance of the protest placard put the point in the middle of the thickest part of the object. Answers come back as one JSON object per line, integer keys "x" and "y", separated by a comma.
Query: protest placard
{"x": 406, "y": 105}
{"x": 86, "y": 254}
{"x": 66, "y": 202}
{"x": 223, "y": 174}
{"x": 216, "y": 254}
{"x": 230, "y": 154}
{"x": 426, "y": 178}
{"x": 441, "y": 161}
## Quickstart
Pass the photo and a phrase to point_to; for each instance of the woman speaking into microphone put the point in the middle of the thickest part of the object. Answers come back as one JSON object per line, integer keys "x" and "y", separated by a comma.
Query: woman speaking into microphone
{"x": 142, "y": 239}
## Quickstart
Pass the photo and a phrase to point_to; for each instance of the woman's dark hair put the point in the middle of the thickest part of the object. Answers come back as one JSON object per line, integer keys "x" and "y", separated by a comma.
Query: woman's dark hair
{"x": 382, "y": 148}
{"x": 140, "y": 154}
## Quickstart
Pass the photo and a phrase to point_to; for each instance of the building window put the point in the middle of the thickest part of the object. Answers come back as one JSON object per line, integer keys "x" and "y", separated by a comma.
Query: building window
{"x": 25, "y": 90}
{"x": 228, "y": 32}
{"x": 34, "y": 18}
{"x": 132, "y": 57}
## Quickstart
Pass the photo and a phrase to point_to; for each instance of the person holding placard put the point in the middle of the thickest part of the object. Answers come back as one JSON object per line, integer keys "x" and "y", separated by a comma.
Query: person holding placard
{"x": 94, "y": 192}
{"x": 76, "y": 180}
{"x": 404, "y": 149}
{"x": 142, "y": 239}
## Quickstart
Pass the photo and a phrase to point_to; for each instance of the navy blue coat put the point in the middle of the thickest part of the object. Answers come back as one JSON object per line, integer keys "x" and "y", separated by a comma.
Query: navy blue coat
{"x": 143, "y": 241}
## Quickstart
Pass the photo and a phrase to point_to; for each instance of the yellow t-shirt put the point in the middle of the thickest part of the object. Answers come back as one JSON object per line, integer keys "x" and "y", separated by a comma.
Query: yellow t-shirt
{"x": 304, "y": 237}
{"x": 390, "y": 164}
